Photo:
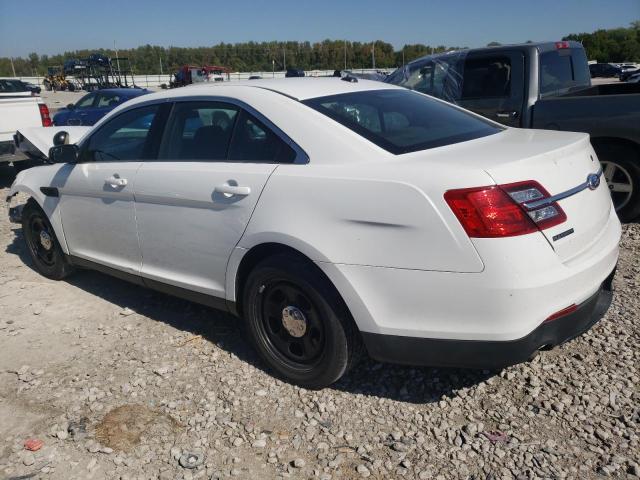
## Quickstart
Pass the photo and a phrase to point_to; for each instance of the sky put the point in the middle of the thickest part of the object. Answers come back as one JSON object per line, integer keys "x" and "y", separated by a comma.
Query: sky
{"x": 57, "y": 26}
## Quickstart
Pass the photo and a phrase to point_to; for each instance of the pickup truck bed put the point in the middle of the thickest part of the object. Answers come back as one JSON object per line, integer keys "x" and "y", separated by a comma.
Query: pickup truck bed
{"x": 18, "y": 110}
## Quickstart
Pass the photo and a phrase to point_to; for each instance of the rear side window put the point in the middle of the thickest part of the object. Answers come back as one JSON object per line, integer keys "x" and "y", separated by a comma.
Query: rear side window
{"x": 563, "y": 69}
{"x": 486, "y": 77}
{"x": 199, "y": 131}
{"x": 254, "y": 142}
{"x": 402, "y": 121}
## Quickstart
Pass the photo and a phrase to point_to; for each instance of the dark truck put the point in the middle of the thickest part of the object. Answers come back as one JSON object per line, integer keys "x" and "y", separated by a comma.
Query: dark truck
{"x": 542, "y": 85}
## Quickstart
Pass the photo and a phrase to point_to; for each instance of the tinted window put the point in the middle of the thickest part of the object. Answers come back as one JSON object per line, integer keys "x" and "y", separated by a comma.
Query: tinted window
{"x": 402, "y": 121}
{"x": 254, "y": 142}
{"x": 563, "y": 69}
{"x": 199, "y": 131}
{"x": 123, "y": 137}
{"x": 487, "y": 77}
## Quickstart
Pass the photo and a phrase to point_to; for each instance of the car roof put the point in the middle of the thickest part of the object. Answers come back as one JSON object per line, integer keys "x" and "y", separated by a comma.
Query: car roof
{"x": 127, "y": 92}
{"x": 299, "y": 88}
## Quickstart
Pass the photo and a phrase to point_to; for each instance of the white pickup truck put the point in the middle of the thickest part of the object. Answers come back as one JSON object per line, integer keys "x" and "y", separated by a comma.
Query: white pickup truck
{"x": 19, "y": 108}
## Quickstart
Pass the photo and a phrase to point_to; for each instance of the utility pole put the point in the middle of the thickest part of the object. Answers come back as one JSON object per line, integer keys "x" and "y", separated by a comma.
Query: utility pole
{"x": 273, "y": 66}
{"x": 345, "y": 54}
{"x": 160, "y": 56}
{"x": 13, "y": 69}
{"x": 403, "y": 55}
{"x": 117, "y": 59}
{"x": 284, "y": 57}
{"x": 373, "y": 54}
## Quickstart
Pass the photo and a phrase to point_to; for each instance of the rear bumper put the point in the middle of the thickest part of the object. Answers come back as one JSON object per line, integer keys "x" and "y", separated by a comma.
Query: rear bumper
{"x": 490, "y": 354}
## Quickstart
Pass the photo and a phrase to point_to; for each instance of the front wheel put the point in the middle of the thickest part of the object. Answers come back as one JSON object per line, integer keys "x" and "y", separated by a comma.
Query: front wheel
{"x": 298, "y": 323}
{"x": 42, "y": 243}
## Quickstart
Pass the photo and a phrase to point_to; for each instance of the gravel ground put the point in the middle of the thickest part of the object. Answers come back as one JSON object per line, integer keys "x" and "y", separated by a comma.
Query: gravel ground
{"x": 121, "y": 382}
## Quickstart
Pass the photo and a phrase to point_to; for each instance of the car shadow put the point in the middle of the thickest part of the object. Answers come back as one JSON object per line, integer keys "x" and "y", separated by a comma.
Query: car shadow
{"x": 407, "y": 384}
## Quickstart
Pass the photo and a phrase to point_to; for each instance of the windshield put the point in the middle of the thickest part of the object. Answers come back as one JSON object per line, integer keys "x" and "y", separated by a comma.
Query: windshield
{"x": 402, "y": 121}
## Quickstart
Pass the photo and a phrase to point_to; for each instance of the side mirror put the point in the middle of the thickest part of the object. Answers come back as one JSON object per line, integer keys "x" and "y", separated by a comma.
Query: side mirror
{"x": 64, "y": 154}
{"x": 71, "y": 106}
{"x": 61, "y": 138}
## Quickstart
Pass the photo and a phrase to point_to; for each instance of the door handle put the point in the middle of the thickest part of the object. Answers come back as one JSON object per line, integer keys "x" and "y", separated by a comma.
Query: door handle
{"x": 116, "y": 182}
{"x": 507, "y": 114}
{"x": 230, "y": 190}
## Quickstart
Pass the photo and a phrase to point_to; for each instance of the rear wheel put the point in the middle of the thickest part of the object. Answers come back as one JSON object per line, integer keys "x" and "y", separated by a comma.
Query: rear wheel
{"x": 621, "y": 167}
{"x": 42, "y": 243}
{"x": 298, "y": 323}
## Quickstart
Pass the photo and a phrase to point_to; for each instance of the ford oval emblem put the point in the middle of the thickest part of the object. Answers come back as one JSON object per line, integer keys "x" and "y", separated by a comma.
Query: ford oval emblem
{"x": 593, "y": 181}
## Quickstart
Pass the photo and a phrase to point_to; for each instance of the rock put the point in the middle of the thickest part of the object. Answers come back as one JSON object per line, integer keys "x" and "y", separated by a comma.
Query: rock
{"x": 62, "y": 434}
{"x": 299, "y": 463}
{"x": 363, "y": 470}
{"x": 28, "y": 459}
{"x": 261, "y": 443}
{"x": 261, "y": 393}
{"x": 191, "y": 460}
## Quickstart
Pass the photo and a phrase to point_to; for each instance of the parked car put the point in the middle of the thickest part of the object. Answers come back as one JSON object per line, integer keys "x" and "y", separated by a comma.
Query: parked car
{"x": 95, "y": 105}
{"x": 294, "y": 72}
{"x": 604, "y": 70}
{"x": 635, "y": 78}
{"x": 627, "y": 71}
{"x": 19, "y": 108}
{"x": 543, "y": 85}
{"x": 333, "y": 215}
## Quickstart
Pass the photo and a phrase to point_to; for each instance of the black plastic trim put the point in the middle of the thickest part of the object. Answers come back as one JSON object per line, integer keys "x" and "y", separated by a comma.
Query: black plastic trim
{"x": 50, "y": 191}
{"x": 490, "y": 354}
{"x": 190, "y": 295}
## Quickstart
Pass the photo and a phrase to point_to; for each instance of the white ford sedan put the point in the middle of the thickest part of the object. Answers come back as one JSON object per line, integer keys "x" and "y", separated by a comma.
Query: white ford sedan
{"x": 336, "y": 217}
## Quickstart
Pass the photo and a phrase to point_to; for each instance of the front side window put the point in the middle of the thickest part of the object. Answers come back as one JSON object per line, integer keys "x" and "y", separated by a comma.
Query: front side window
{"x": 402, "y": 121}
{"x": 122, "y": 138}
{"x": 199, "y": 131}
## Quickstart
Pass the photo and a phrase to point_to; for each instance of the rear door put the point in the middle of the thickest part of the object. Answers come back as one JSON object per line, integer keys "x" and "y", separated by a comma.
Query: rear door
{"x": 493, "y": 86}
{"x": 193, "y": 205}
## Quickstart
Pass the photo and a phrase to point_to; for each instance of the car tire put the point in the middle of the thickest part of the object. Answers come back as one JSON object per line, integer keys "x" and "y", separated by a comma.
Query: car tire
{"x": 621, "y": 165}
{"x": 316, "y": 341}
{"x": 42, "y": 243}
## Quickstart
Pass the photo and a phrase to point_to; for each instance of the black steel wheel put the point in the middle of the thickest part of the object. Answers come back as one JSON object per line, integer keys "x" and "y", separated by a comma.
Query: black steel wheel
{"x": 42, "y": 243}
{"x": 298, "y": 323}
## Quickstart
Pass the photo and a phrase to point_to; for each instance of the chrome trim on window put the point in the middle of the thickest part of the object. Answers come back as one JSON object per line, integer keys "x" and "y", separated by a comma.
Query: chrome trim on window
{"x": 568, "y": 193}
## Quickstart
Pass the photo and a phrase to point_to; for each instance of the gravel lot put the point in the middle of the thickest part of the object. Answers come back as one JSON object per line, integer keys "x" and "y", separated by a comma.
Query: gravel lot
{"x": 121, "y": 382}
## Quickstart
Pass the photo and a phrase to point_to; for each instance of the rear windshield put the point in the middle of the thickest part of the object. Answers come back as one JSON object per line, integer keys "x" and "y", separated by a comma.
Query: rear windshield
{"x": 562, "y": 70}
{"x": 402, "y": 121}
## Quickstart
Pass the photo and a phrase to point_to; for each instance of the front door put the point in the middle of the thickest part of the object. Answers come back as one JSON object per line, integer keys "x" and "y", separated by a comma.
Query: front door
{"x": 195, "y": 202}
{"x": 96, "y": 194}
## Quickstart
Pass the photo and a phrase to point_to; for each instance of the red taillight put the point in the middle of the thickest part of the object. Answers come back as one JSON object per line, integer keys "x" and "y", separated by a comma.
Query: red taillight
{"x": 560, "y": 45}
{"x": 44, "y": 115}
{"x": 503, "y": 210}
{"x": 561, "y": 313}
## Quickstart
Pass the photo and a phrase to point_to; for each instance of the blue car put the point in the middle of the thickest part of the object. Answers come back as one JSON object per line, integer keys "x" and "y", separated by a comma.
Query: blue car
{"x": 95, "y": 105}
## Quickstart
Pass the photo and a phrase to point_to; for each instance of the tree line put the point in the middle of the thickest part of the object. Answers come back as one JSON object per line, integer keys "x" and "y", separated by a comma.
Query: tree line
{"x": 613, "y": 45}
{"x": 243, "y": 57}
